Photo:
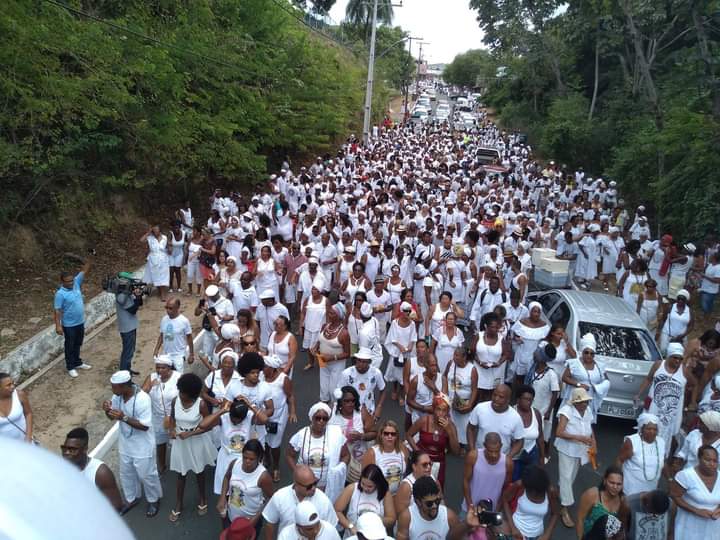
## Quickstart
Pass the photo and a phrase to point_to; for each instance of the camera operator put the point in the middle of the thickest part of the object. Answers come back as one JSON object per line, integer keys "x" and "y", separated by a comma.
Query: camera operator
{"x": 126, "y": 306}
{"x": 216, "y": 306}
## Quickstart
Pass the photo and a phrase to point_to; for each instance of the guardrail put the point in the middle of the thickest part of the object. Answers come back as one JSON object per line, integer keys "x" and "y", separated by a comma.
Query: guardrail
{"x": 111, "y": 437}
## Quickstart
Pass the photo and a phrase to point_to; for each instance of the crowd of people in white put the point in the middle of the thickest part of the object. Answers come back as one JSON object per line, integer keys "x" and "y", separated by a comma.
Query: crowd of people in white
{"x": 400, "y": 271}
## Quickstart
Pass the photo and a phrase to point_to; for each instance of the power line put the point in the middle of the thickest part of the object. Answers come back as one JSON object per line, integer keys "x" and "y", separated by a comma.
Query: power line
{"x": 145, "y": 37}
{"x": 290, "y": 12}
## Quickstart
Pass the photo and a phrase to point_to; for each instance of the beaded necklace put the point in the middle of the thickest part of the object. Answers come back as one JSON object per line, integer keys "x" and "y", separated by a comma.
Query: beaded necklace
{"x": 657, "y": 460}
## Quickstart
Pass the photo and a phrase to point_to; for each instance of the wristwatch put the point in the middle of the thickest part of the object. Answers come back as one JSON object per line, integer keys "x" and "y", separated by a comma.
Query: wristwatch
{"x": 578, "y": 385}
{"x": 125, "y": 418}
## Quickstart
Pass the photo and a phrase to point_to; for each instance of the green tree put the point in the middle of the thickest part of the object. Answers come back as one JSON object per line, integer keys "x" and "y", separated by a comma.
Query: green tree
{"x": 470, "y": 68}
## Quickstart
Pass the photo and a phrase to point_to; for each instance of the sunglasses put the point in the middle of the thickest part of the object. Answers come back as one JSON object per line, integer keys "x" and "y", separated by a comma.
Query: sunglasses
{"x": 321, "y": 418}
{"x": 389, "y": 433}
{"x": 249, "y": 343}
{"x": 309, "y": 486}
{"x": 431, "y": 503}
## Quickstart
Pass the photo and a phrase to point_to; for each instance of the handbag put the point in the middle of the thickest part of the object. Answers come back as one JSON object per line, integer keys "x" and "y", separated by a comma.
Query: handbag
{"x": 211, "y": 394}
{"x": 399, "y": 361}
{"x": 271, "y": 427}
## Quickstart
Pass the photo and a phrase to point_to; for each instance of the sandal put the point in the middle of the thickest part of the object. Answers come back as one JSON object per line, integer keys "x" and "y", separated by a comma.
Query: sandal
{"x": 202, "y": 509}
{"x": 174, "y": 516}
{"x": 276, "y": 476}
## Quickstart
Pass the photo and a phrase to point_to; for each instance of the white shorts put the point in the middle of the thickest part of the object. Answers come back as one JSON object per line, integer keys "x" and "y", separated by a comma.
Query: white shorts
{"x": 310, "y": 338}
{"x": 193, "y": 273}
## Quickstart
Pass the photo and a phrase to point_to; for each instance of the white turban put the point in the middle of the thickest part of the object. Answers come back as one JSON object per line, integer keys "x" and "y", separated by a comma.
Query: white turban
{"x": 319, "y": 406}
{"x": 163, "y": 360}
{"x": 711, "y": 419}
{"x": 230, "y": 331}
{"x": 366, "y": 310}
{"x": 231, "y": 354}
{"x": 588, "y": 342}
{"x": 273, "y": 361}
{"x": 533, "y": 305}
{"x": 121, "y": 377}
{"x": 675, "y": 349}
{"x": 318, "y": 283}
{"x": 645, "y": 419}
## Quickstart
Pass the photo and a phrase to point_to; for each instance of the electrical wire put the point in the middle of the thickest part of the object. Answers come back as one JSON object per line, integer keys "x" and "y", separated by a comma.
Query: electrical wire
{"x": 286, "y": 8}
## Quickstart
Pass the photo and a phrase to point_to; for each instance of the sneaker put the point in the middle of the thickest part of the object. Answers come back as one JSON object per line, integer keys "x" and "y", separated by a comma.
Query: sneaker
{"x": 73, "y": 373}
{"x": 84, "y": 366}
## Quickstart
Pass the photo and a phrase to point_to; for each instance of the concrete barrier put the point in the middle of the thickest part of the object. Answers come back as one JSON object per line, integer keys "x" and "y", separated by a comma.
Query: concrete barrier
{"x": 45, "y": 346}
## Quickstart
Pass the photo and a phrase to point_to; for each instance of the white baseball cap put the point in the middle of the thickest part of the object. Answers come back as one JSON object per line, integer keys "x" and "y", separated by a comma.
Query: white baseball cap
{"x": 306, "y": 514}
{"x": 371, "y": 527}
{"x": 212, "y": 290}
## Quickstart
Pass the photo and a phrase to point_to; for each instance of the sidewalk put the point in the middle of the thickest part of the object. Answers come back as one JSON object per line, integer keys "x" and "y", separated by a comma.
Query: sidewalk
{"x": 60, "y": 403}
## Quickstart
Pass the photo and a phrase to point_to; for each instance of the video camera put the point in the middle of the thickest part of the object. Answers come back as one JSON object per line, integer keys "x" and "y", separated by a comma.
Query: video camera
{"x": 124, "y": 283}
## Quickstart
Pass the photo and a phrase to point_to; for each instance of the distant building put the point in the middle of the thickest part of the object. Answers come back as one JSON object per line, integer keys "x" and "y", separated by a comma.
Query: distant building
{"x": 431, "y": 72}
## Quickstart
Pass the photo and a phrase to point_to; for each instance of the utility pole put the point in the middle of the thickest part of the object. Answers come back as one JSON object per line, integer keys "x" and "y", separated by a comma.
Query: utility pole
{"x": 370, "y": 76}
{"x": 407, "y": 87}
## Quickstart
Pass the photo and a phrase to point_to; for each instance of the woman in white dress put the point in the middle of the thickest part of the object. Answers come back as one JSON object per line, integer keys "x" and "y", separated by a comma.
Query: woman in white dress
{"x": 370, "y": 493}
{"x": 217, "y": 383}
{"x": 192, "y": 256}
{"x": 321, "y": 447}
{"x": 395, "y": 285}
{"x": 527, "y": 335}
{"x": 586, "y": 269}
{"x": 161, "y": 386}
{"x": 610, "y": 248}
{"x": 265, "y": 273}
{"x": 282, "y": 344}
{"x": 400, "y": 344}
{"x": 357, "y": 424}
{"x": 632, "y": 282}
{"x": 648, "y": 306}
{"x": 157, "y": 269}
{"x": 234, "y": 236}
{"x": 283, "y": 398}
{"x": 192, "y": 448}
{"x": 491, "y": 353}
{"x": 246, "y": 486}
{"x": 678, "y": 322}
{"x": 178, "y": 239}
{"x": 448, "y": 339}
{"x": 564, "y": 350}
{"x": 642, "y": 456}
{"x": 696, "y": 492}
{"x": 389, "y": 454}
{"x": 16, "y": 417}
{"x": 586, "y": 373}
{"x": 460, "y": 383}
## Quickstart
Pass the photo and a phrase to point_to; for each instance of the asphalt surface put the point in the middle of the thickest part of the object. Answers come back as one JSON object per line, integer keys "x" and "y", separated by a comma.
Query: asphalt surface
{"x": 306, "y": 384}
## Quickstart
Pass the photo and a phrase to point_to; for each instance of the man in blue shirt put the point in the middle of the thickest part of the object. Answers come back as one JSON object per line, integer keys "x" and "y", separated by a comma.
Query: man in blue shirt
{"x": 69, "y": 318}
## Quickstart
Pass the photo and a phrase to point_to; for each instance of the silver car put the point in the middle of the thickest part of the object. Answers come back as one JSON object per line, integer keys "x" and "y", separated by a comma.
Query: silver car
{"x": 625, "y": 348}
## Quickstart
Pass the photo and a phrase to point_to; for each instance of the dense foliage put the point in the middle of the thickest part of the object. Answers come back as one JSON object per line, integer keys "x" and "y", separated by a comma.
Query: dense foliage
{"x": 469, "y": 69}
{"x": 629, "y": 89}
{"x": 89, "y": 109}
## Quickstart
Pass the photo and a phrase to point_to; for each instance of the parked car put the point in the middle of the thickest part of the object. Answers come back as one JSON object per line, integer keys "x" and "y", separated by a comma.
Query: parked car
{"x": 625, "y": 348}
{"x": 420, "y": 116}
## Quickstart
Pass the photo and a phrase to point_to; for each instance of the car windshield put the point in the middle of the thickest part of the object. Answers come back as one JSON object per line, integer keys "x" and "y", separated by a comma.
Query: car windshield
{"x": 621, "y": 342}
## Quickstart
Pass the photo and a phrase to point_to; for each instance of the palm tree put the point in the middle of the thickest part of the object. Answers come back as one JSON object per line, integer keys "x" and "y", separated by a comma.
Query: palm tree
{"x": 359, "y": 12}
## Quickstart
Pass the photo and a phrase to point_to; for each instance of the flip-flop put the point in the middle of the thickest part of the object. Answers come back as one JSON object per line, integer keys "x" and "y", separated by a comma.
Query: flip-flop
{"x": 202, "y": 509}
{"x": 174, "y": 516}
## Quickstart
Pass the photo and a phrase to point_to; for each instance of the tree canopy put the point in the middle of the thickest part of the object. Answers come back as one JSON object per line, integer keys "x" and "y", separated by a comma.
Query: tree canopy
{"x": 470, "y": 68}
{"x": 163, "y": 95}
{"x": 629, "y": 89}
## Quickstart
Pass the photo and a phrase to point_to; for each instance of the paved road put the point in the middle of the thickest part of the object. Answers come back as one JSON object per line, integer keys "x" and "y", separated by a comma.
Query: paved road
{"x": 190, "y": 525}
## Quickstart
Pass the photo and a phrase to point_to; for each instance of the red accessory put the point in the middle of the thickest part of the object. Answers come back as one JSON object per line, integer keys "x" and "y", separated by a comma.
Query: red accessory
{"x": 239, "y": 529}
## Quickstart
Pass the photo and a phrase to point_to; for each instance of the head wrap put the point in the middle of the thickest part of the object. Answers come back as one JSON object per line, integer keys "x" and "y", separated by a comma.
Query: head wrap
{"x": 272, "y": 361}
{"x": 319, "y": 406}
{"x": 711, "y": 419}
{"x": 645, "y": 419}
{"x": 684, "y": 293}
{"x": 675, "y": 349}
{"x": 232, "y": 354}
{"x": 230, "y": 331}
{"x": 121, "y": 377}
{"x": 340, "y": 309}
{"x": 231, "y": 258}
{"x": 318, "y": 283}
{"x": 366, "y": 310}
{"x": 441, "y": 399}
{"x": 588, "y": 342}
{"x": 533, "y": 305}
{"x": 163, "y": 360}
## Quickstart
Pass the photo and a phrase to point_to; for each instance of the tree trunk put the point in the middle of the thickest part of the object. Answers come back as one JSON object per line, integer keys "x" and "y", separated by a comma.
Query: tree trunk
{"x": 597, "y": 77}
{"x": 707, "y": 60}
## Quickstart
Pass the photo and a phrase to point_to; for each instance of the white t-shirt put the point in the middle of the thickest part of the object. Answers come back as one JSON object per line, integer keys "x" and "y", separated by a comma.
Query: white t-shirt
{"x": 174, "y": 332}
{"x": 707, "y": 286}
{"x": 280, "y": 509}
{"x": 364, "y": 383}
{"x": 136, "y": 442}
{"x": 319, "y": 453}
{"x": 327, "y": 532}
{"x": 243, "y": 298}
{"x": 544, "y": 385}
{"x": 508, "y": 425}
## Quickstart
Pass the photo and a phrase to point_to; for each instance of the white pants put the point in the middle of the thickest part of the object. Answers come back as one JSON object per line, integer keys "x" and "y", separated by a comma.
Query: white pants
{"x": 135, "y": 471}
{"x": 568, "y": 468}
{"x": 193, "y": 272}
{"x": 178, "y": 361}
{"x": 330, "y": 379}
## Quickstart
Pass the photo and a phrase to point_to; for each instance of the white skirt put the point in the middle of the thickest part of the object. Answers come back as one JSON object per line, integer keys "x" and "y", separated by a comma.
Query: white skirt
{"x": 192, "y": 454}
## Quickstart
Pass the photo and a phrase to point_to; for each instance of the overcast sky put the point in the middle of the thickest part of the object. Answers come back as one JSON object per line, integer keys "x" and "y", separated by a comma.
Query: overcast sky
{"x": 449, "y": 26}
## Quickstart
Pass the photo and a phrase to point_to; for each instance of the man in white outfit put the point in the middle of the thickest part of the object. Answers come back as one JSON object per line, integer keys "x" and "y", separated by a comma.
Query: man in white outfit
{"x": 308, "y": 525}
{"x": 132, "y": 408}
{"x": 175, "y": 334}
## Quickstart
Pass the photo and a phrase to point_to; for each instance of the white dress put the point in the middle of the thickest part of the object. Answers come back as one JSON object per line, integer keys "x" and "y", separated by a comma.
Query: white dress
{"x": 13, "y": 425}
{"x": 459, "y": 391}
{"x": 232, "y": 441}
{"x": 196, "y": 452}
{"x": 697, "y": 494}
{"x": 649, "y": 311}
{"x": 157, "y": 269}
{"x": 446, "y": 348}
{"x": 161, "y": 397}
{"x": 642, "y": 471}
{"x": 178, "y": 250}
{"x": 675, "y": 325}
{"x": 281, "y": 411}
{"x": 531, "y": 337}
{"x": 668, "y": 393}
{"x": 321, "y": 454}
{"x": 245, "y": 496}
{"x": 489, "y": 378}
{"x": 594, "y": 378}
